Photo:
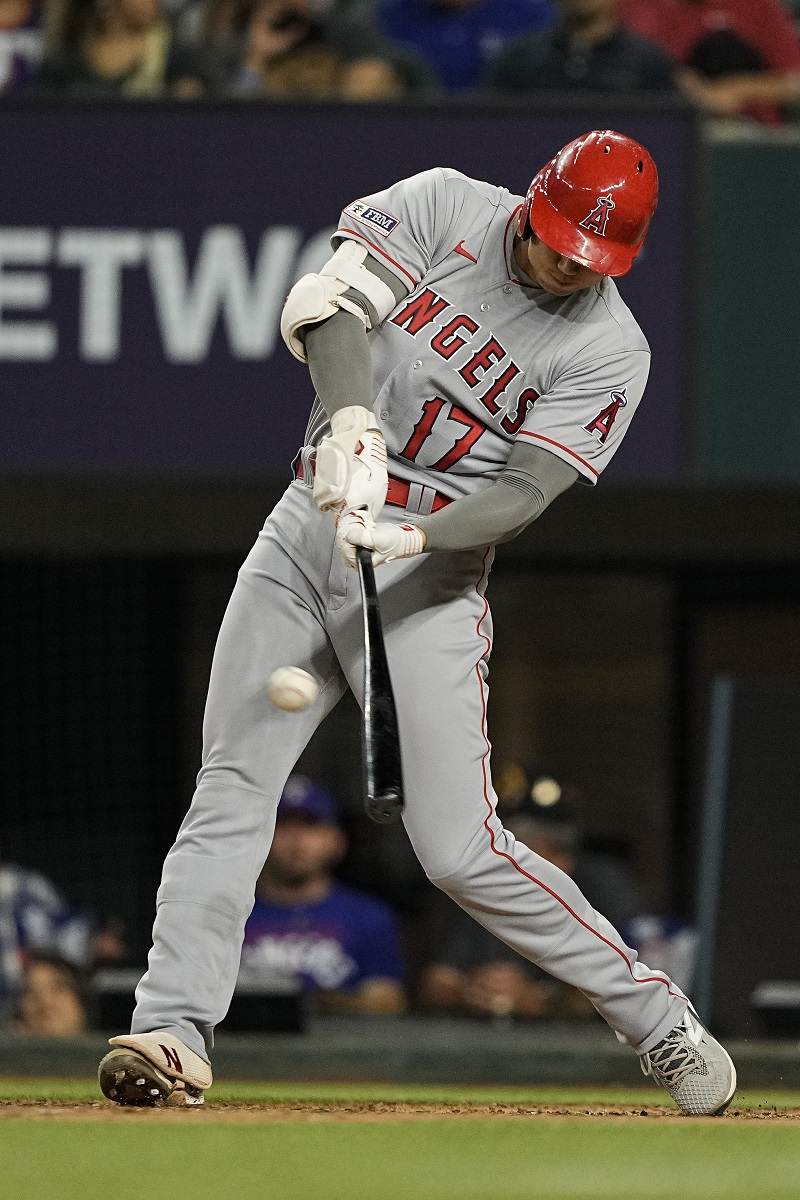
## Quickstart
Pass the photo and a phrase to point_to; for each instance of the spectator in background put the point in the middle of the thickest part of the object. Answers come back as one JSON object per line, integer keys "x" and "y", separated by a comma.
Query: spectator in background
{"x": 55, "y": 998}
{"x": 546, "y": 810}
{"x": 342, "y": 944}
{"x": 122, "y": 48}
{"x": 290, "y": 53}
{"x": 38, "y": 924}
{"x": 459, "y": 38}
{"x": 469, "y": 971}
{"x": 21, "y": 42}
{"x": 589, "y": 50}
{"x": 297, "y": 49}
{"x": 738, "y": 57}
{"x": 34, "y": 918}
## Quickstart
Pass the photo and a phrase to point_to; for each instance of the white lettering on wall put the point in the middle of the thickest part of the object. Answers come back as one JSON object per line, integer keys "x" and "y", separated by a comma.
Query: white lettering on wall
{"x": 27, "y": 341}
{"x": 101, "y": 254}
{"x": 193, "y": 296}
{"x": 188, "y": 308}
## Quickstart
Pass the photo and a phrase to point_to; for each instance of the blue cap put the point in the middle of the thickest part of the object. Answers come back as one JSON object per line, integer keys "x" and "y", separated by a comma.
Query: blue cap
{"x": 303, "y": 798}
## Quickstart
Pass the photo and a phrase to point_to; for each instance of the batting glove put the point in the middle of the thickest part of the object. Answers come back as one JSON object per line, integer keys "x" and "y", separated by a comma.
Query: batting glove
{"x": 386, "y": 541}
{"x": 350, "y": 468}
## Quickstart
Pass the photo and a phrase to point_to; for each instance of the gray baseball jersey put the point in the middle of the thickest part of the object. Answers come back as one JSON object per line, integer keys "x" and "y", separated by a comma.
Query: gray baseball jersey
{"x": 471, "y": 360}
{"x": 474, "y": 358}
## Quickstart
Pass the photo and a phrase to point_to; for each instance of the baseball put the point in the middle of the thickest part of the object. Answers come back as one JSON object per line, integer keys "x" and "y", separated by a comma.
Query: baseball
{"x": 292, "y": 689}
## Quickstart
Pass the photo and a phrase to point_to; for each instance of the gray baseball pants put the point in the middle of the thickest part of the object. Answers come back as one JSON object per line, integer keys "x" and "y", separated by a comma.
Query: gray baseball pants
{"x": 296, "y": 603}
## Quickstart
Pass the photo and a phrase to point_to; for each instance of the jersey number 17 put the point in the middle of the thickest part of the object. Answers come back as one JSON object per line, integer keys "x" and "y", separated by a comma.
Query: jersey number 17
{"x": 424, "y": 428}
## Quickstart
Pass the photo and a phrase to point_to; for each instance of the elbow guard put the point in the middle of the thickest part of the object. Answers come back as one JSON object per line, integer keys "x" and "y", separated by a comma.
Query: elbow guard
{"x": 314, "y": 298}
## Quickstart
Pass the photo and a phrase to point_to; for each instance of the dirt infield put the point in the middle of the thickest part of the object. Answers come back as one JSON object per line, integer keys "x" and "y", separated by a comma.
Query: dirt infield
{"x": 376, "y": 1112}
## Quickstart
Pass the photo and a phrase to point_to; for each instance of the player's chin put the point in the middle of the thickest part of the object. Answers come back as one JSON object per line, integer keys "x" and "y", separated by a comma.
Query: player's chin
{"x": 561, "y": 289}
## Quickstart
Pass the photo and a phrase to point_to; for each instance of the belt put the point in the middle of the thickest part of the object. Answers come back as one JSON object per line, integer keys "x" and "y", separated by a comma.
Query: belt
{"x": 401, "y": 494}
{"x": 399, "y": 491}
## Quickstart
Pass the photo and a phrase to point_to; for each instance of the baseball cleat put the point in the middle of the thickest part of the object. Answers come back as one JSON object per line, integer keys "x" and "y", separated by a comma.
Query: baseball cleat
{"x": 146, "y": 1069}
{"x": 693, "y": 1067}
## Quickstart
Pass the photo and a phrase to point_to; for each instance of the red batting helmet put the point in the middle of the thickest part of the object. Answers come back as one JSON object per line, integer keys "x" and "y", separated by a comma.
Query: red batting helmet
{"x": 594, "y": 201}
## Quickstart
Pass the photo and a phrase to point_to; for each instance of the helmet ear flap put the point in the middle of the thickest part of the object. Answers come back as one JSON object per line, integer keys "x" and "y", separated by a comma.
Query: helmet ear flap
{"x": 524, "y": 227}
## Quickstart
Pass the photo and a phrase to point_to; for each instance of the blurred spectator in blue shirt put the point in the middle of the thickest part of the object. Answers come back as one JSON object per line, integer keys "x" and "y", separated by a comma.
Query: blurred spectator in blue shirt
{"x": 21, "y": 42}
{"x": 342, "y": 945}
{"x": 460, "y": 38}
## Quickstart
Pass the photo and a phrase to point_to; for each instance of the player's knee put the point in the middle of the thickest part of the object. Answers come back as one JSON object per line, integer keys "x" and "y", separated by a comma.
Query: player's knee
{"x": 452, "y": 874}
{"x": 449, "y": 864}
{"x": 459, "y": 868}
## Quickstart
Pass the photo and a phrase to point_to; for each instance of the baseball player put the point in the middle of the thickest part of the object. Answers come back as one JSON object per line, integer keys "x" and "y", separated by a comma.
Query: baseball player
{"x": 472, "y": 360}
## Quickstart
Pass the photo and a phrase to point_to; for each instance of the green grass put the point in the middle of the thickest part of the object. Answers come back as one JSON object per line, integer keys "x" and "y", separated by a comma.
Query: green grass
{"x": 69, "y": 1090}
{"x": 131, "y": 1157}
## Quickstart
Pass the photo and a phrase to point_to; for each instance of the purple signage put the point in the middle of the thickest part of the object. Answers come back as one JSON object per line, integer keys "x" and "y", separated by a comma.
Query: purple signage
{"x": 145, "y": 253}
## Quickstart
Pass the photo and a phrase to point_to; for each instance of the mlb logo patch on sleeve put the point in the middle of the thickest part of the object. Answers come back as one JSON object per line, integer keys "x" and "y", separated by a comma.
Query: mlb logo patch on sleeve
{"x": 376, "y": 217}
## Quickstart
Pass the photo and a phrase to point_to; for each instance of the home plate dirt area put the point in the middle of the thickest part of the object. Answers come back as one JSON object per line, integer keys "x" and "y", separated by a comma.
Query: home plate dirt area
{"x": 300, "y": 1111}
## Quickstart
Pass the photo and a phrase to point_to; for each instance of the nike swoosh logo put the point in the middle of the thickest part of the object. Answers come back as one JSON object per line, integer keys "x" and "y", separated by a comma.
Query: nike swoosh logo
{"x": 460, "y": 249}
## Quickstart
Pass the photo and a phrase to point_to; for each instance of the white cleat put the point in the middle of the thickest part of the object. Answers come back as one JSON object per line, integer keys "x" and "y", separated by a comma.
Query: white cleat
{"x": 693, "y": 1067}
{"x": 153, "y": 1068}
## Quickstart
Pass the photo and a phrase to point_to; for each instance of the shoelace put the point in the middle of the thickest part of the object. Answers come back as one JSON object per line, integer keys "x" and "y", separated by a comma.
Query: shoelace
{"x": 672, "y": 1060}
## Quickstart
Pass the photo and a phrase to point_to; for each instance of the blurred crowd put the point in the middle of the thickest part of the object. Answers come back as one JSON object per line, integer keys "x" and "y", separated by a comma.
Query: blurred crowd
{"x": 727, "y": 57}
{"x": 343, "y": 924}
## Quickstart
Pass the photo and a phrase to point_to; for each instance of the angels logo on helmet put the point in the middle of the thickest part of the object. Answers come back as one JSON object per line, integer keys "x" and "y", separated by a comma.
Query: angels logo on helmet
{"x": 597, "y": 219}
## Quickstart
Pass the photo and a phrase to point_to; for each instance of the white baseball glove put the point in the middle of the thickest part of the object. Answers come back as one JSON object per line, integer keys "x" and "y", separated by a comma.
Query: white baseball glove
{"x": 350, "y": 468}
{"x": 386, "y": 541}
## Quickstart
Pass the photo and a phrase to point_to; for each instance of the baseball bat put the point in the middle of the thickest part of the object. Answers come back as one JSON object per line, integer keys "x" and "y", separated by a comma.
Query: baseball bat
{"x": 383, "y": 775}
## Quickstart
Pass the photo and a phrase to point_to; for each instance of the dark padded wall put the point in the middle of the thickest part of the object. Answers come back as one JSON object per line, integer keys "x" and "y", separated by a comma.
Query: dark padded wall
{"x": 759, "y": 902}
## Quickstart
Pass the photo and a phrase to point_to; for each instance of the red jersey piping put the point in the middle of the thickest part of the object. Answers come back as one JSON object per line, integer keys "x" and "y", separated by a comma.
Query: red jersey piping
{"x": 552, "y": 442}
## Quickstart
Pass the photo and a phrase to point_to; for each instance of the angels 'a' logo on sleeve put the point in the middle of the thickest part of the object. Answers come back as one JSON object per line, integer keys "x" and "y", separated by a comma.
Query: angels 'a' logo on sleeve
{"x": 597, "y": 219}
{"x": 379, "y": 220}
{"x": 600, "y": 426}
